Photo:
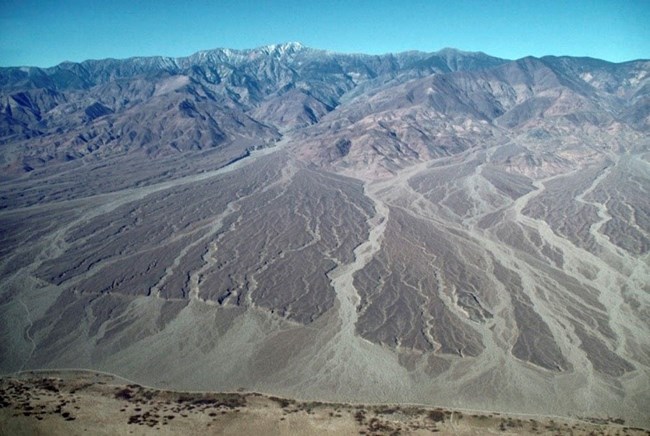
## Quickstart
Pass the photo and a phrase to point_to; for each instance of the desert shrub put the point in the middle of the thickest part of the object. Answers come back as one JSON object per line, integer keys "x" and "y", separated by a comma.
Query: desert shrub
{"x": 437, "y": 415}
{"x": 386, "y": 410}
{"x": 124, "y": 394}
{"x": 376, "y": 425}
{"x": 283, "y": 402}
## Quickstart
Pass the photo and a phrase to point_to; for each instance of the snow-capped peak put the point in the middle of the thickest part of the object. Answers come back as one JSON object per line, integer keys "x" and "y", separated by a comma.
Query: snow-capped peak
{"x": 286, "y": 48}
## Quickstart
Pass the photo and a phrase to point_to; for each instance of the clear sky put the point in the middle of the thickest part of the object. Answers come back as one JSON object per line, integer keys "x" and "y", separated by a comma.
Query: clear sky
{"x": 46, "y": 32}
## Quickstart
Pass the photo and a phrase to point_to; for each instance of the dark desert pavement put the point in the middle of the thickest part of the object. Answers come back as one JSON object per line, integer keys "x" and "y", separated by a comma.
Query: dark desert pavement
{"x": 448, "y": 229}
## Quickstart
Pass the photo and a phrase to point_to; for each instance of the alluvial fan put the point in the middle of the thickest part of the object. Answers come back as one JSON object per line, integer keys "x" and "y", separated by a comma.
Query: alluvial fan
{"x": 442, "y": 228}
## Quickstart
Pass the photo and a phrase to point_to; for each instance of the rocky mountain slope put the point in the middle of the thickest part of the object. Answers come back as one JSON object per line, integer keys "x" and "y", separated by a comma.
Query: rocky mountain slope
{"x": 444, "y": 228}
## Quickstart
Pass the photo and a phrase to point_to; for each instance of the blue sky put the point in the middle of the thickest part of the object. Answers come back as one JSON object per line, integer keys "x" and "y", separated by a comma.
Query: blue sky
{"x": 46, "y": 32}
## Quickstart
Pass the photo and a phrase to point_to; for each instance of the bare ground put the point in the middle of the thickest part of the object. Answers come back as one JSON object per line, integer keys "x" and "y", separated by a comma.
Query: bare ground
{"x": 83, "y": 402}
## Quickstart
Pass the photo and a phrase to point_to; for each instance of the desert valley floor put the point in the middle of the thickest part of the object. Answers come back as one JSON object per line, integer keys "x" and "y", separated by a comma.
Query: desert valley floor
{"x": 79, "y": 402}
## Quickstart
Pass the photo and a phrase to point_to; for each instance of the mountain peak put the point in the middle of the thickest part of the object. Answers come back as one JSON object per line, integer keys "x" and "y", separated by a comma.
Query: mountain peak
{"x": 450, "y": 51}
{"x": 281, "y": 49}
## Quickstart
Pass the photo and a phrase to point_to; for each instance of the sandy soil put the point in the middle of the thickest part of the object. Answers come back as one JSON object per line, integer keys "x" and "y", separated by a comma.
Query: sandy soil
{"x": 75, "y": 402}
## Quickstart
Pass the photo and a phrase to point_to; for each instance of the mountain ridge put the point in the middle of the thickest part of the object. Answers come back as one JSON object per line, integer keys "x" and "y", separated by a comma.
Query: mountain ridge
{"x": 255, "y": 80}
